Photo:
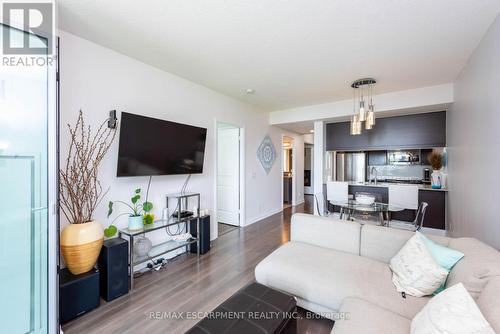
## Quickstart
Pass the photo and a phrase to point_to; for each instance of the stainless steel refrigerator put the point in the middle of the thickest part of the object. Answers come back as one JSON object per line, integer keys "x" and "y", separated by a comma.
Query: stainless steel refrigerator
{"x": 350, "y": 167}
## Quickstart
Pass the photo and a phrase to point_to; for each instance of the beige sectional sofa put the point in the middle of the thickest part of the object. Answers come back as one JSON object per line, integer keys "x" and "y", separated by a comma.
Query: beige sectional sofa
{"x": 335, "y": 266}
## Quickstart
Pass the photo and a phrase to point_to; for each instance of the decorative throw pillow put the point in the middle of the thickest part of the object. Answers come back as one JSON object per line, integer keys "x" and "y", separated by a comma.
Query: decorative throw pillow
{"x": 414, "y": 270}
{"x": 444, "y": 256}
{"x": 452, "y": 311}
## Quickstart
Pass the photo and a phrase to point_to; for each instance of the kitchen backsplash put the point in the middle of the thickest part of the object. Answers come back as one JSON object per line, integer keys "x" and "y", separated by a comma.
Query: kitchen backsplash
{"x": 408, "y": 172}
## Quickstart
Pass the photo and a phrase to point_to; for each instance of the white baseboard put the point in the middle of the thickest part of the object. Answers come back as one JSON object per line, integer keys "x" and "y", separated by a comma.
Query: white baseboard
{"x": 263, "y": 216}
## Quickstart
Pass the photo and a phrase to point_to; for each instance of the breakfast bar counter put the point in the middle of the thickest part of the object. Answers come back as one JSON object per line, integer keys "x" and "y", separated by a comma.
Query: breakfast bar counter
{"x": 435, "y": 216}
{"x": 387, "y": 184}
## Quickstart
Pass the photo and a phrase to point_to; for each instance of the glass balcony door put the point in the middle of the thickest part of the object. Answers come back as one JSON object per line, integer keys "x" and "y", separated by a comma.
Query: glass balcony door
{"x": 26, "y": 223}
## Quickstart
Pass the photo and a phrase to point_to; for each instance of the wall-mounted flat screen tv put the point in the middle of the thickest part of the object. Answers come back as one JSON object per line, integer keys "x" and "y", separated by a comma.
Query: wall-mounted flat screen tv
{"x": 150, "y": 146}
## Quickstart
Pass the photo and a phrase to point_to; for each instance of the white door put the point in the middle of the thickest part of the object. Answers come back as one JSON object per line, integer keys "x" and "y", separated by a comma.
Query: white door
{"x": 228, "y": 179}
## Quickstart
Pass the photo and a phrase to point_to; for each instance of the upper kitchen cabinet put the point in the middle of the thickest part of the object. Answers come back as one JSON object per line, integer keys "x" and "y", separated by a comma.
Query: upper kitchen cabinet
{"x": 377, "y": 158}
{"x": 400, "y": 132}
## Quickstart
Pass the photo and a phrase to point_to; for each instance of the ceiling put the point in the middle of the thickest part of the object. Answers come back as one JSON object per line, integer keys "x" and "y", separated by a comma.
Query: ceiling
{"x": 290, "y": 52}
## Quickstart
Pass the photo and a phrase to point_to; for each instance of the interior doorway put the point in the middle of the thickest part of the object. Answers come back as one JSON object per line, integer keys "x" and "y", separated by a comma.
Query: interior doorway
{"x": 229, "y": 177}
{"x": 288, "y": 168}
{"x": 308, "y": 169}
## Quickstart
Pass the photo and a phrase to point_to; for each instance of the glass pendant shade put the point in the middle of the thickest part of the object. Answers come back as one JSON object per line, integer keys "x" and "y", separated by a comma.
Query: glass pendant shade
{"x": 372, "y": 110}
{"x": 370, "y": 119}
{"x": 368, "y": 125}
{"x": 362, "y": 111}
{"x": 355, "y": 125}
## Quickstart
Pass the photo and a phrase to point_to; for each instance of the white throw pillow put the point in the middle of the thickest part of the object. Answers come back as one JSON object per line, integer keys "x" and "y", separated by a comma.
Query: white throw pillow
{"x": 414, "y": 270}
{"x": 453, "y": 311}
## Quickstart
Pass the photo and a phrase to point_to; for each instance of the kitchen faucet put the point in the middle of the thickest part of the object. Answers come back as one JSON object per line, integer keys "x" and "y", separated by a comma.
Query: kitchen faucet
{"x": 373, "y": 169}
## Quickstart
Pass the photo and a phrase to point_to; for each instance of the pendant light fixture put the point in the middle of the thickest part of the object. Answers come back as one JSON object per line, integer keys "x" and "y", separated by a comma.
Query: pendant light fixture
{"x": 364, "y": 110}
{"x": 355, "y": 128}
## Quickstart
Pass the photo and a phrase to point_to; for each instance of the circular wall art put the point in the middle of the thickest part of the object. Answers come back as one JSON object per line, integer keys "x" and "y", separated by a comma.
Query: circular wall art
{"x": 266, "y": 154}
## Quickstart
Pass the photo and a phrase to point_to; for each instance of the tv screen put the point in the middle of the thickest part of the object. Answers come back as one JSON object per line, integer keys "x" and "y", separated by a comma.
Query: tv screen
{"x": 150, "y": 146}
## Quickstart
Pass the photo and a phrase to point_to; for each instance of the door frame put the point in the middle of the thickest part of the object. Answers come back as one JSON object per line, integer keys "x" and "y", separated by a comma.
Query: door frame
{"x": 311, "y": 147}
{"x": 242, "y": 216}
{"x": 294, "y": 169}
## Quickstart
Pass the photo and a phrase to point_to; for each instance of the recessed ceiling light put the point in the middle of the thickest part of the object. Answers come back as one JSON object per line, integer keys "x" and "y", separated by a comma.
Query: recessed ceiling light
{"x": 311, "y": 131}
{"x": 249, "y": 91}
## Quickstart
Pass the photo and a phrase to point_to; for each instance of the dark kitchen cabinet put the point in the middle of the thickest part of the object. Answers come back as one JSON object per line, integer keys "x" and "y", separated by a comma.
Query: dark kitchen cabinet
{"x": 435, "y": 216}
{"x": 381, "y": 193}
{"x": 424, "y": 156}
{"x": 401, "y": 132}
{"x": 377, "y": 158}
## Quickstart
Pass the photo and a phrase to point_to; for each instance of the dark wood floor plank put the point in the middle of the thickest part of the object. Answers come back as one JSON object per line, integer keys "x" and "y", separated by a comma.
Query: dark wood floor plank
{"x": 191, "y": 284}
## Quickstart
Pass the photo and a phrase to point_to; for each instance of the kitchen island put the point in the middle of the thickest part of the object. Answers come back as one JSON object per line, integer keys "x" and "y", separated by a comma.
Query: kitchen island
{"x": 386, "y": 185}
{"x": 435, "y": 216}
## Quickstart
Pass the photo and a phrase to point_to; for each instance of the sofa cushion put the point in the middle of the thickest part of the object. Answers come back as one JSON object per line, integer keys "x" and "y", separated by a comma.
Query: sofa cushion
{"x": 489, "y": 303}
{"x": 415, "y": 271}
{"x": 452, "y": 311}
{"x": 382, "y": 243}
{"x": 365, "y": 317}
{"x": 326, "y": 232}
{"x": 326, "y": 277}
{"x": 480, "y": 263}
{"x": 444, "y": 256}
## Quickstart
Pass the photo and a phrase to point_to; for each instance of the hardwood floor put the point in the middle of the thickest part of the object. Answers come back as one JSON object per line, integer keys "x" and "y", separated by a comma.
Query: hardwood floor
{"x": 226, "y": 228}
{"x": 192, "y": 284}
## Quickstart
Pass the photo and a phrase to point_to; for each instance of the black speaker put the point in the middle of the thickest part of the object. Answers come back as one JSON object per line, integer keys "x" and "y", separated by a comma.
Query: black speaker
{"x": 78, "y": 294}
{"x": 204, "y": 234}
{"x": 113, "y": 265}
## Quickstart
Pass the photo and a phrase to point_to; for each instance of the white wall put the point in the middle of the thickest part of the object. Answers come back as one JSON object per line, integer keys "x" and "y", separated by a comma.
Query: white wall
{"x": 473, "y": 145}
{"x": 309, "y": 138}
{"x": 318, "y": 155}
{"x": 96, "y": 80}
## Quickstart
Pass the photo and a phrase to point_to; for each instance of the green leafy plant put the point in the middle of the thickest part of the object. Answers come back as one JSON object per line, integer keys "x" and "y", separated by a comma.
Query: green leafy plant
{"x": 135, "y": 207}
{"x": 110, "y": 231}
{"x": 148, "y": 218}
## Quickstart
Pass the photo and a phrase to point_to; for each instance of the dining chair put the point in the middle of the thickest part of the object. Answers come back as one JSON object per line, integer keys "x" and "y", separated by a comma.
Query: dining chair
{"x": 337, "y": 191}
{"x": 417, "y": 223}
{"x": 322, "y": 205}
{"x": 404, "y": 197}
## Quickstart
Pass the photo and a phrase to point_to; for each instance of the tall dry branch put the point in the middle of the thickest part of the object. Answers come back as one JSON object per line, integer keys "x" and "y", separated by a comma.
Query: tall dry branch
{"x": 79, "y": 188}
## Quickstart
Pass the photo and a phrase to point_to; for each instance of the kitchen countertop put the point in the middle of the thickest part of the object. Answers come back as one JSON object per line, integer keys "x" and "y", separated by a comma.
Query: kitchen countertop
{"x": 386, "y": 184}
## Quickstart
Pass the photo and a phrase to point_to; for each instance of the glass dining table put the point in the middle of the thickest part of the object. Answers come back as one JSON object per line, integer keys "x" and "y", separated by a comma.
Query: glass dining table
{"x": 348, "y": 208}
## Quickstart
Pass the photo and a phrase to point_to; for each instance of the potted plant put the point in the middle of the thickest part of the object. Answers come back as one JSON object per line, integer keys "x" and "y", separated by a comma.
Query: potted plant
{"x": 80, "y": 194}
{"x": 436, "y": 161}
{"x": 136, "y": 210}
